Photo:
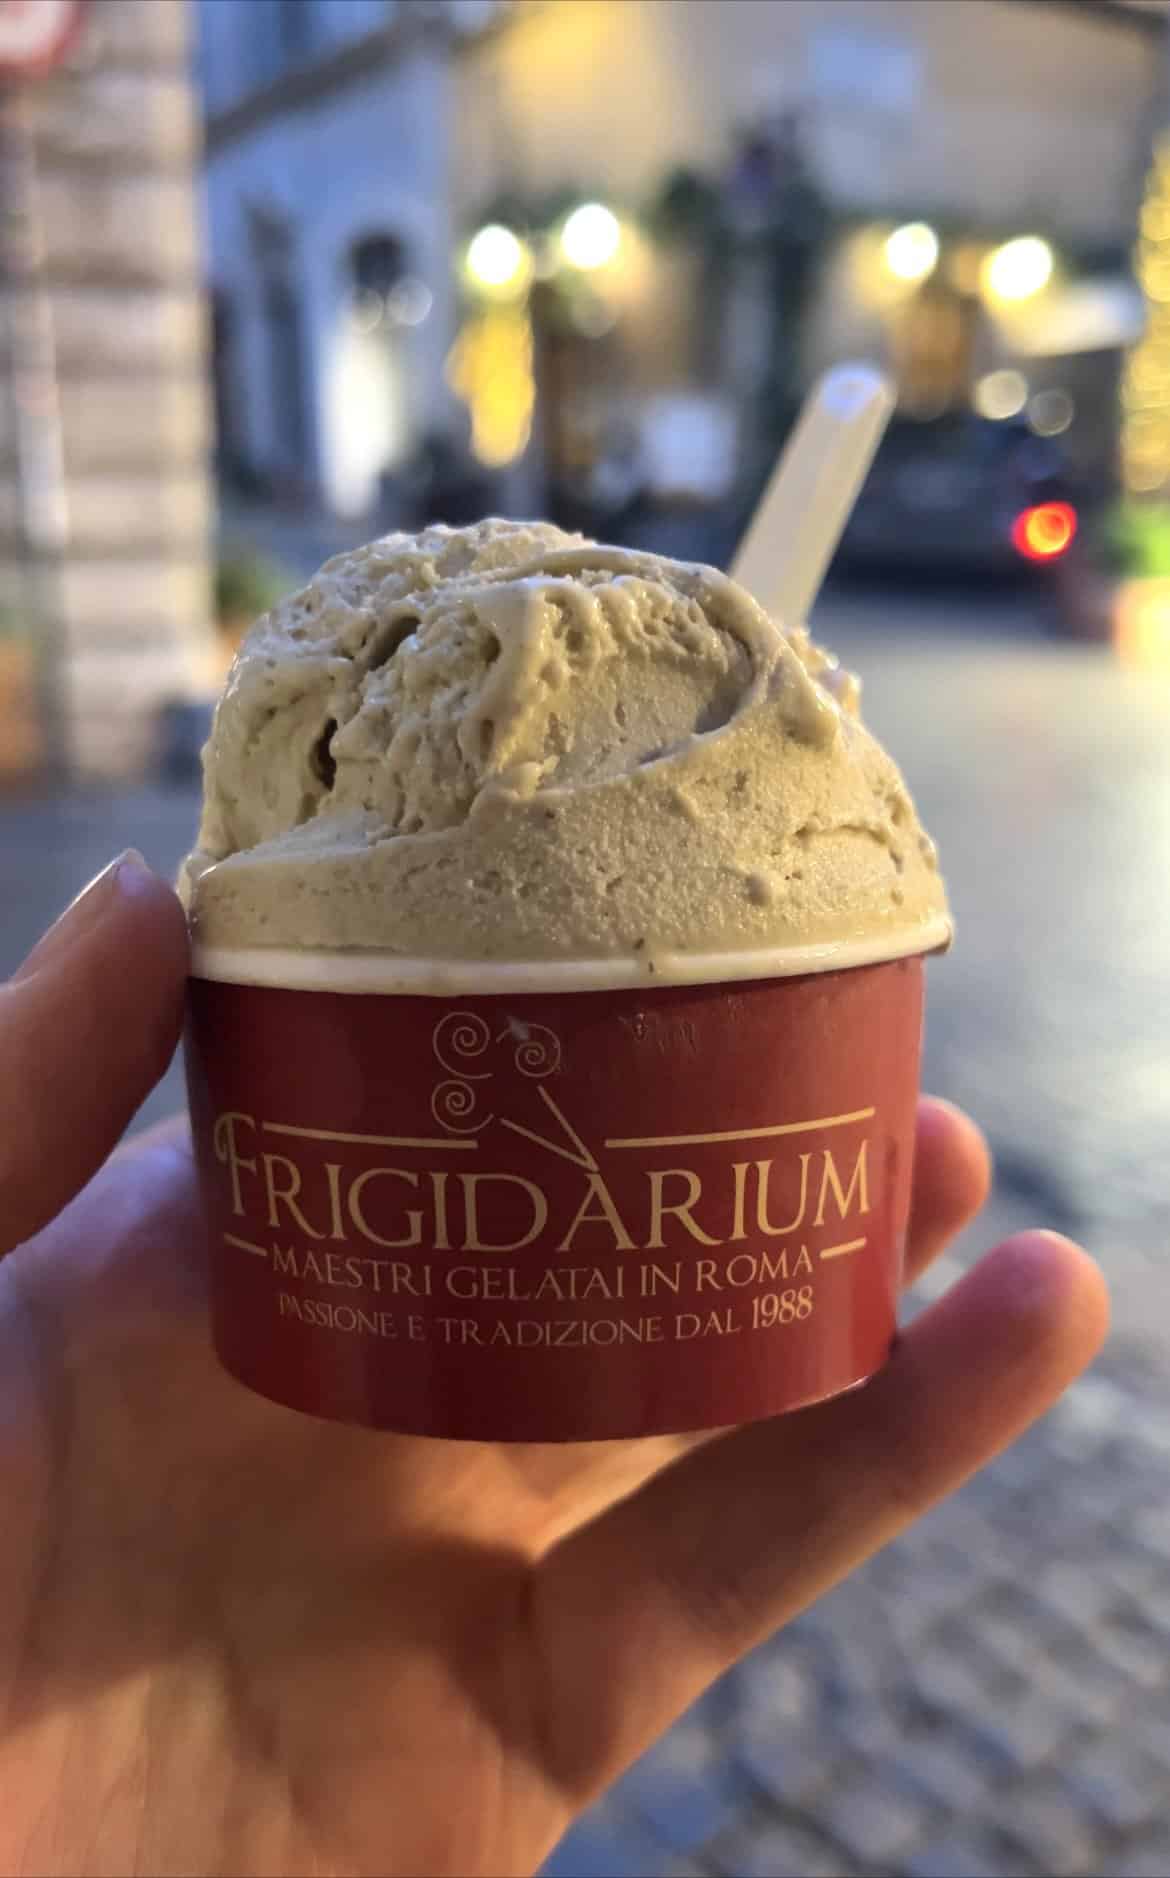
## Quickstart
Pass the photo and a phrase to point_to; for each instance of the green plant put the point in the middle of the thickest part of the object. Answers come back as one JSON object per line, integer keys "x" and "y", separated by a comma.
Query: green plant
{"x": 1136, "y": 540}
{"x": 247, "y": 584}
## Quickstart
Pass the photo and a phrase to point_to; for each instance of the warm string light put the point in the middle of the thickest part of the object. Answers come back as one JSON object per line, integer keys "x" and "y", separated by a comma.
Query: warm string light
{"x": 491, "y": 364}
{"x": 1145, "y": 390}
{"x": 911, "y": 252}
{"x": 1018, "y": 269}
{"x": 498, "y": 263}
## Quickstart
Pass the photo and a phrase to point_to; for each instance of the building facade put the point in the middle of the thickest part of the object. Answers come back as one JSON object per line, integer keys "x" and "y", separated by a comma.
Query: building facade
{"x": 329, "y": 202}
{"x": 99, "y": 166}
{"x": 355, "y": 148}
{"x": 992, "y": 107}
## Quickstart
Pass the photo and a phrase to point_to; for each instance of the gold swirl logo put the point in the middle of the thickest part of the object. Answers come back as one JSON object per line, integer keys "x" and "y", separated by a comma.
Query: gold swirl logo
{"x": 538, "y": 1049}
{"x": 453, "y": 1107}
{"x": 462, "y": 1039}
{"x": 464, "y": 1036}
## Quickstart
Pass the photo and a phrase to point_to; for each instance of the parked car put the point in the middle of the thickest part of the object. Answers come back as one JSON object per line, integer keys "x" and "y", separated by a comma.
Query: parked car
{"x": 967, "y": 494}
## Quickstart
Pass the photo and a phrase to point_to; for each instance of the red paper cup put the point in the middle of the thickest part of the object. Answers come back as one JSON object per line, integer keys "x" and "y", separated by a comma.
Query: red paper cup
{"x": 554, "y": 1215}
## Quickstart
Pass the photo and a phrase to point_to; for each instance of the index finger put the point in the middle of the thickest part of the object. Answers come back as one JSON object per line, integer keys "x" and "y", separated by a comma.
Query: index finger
{"x": 641, "y": 1610}
{"x": 952, "y": 1177}
{"x": 87, "y": 1026}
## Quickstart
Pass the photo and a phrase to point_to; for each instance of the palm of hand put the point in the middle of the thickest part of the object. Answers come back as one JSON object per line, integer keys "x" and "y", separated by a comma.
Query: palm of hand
{"x": 236, "y": 1620}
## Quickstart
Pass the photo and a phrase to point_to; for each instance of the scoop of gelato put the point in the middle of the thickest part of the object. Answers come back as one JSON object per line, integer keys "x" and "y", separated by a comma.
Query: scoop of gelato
{"x": 505, "y": 742}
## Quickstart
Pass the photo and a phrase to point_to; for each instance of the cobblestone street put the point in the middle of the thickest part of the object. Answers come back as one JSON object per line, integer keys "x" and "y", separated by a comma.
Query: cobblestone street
{"x": 992, "y": 1695}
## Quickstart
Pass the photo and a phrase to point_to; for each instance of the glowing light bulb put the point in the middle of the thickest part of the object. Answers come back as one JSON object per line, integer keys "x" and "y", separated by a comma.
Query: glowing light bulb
{"x": 591, "y": 237}
{"x": 498, "y": 260}
{"x": 911, "y": 252}
{"x": 1000, "y": 394}
{"x": 1050, "y": 413}
{"x": 1018, "y": 269}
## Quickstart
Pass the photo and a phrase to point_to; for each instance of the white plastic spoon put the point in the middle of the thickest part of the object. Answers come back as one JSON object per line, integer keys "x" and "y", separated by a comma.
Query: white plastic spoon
{"x": 803, "y": 511}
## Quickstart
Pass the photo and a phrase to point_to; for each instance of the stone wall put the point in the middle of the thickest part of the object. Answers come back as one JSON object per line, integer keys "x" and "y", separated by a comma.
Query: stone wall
{"x": 116, "y": 143}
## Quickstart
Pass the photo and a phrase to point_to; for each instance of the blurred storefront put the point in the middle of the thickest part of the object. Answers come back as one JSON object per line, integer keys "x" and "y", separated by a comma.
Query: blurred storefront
{"x": 104, "y": 497}
{"x": 585, "y": 254}
{"x": 951, "y": 188}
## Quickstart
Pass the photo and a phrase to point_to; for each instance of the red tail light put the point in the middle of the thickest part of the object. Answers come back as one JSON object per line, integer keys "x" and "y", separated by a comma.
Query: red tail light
{"x": 1044, "y": 532}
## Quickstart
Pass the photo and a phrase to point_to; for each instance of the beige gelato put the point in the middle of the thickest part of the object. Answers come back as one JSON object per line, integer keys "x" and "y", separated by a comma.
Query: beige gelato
{"x": 506, "y": 743}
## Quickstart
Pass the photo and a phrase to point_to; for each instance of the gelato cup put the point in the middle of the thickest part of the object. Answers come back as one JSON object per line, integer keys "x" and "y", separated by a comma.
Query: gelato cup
{"x": 554, "y": 1023}
{"x": 506, "y": 1206}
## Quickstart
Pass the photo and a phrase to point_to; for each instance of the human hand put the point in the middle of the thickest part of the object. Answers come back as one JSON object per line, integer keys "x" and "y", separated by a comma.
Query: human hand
{"x": 234, "y": 1639}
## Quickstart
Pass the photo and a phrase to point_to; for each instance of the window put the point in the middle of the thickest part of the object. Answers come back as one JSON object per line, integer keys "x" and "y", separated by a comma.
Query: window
{"x": 377, "y": 263}
{"x": 296, "y": 29}
{"x": 290, "y": 437}
{"x": 277, "y": 36}
{"x": 286, "y": 367}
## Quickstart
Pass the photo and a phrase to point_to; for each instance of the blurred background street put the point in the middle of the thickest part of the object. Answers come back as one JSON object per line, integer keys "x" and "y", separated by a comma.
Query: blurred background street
{"x": 282, "y": 274}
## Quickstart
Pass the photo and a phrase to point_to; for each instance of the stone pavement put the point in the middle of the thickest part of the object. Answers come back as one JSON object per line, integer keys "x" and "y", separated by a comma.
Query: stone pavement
{"x": 992, "y": 1695}
{"x": 987, "y": 1697}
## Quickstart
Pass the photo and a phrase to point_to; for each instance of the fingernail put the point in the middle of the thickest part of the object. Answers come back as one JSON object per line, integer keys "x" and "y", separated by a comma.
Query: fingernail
{"x": 126, "y": 874}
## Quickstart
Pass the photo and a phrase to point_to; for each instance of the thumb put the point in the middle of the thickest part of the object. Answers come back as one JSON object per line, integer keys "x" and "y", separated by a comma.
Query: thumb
{"x": 88, "y": 1024}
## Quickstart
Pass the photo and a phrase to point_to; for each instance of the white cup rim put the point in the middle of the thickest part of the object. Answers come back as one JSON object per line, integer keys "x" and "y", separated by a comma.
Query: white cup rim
{"x": 365, "y": 973}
